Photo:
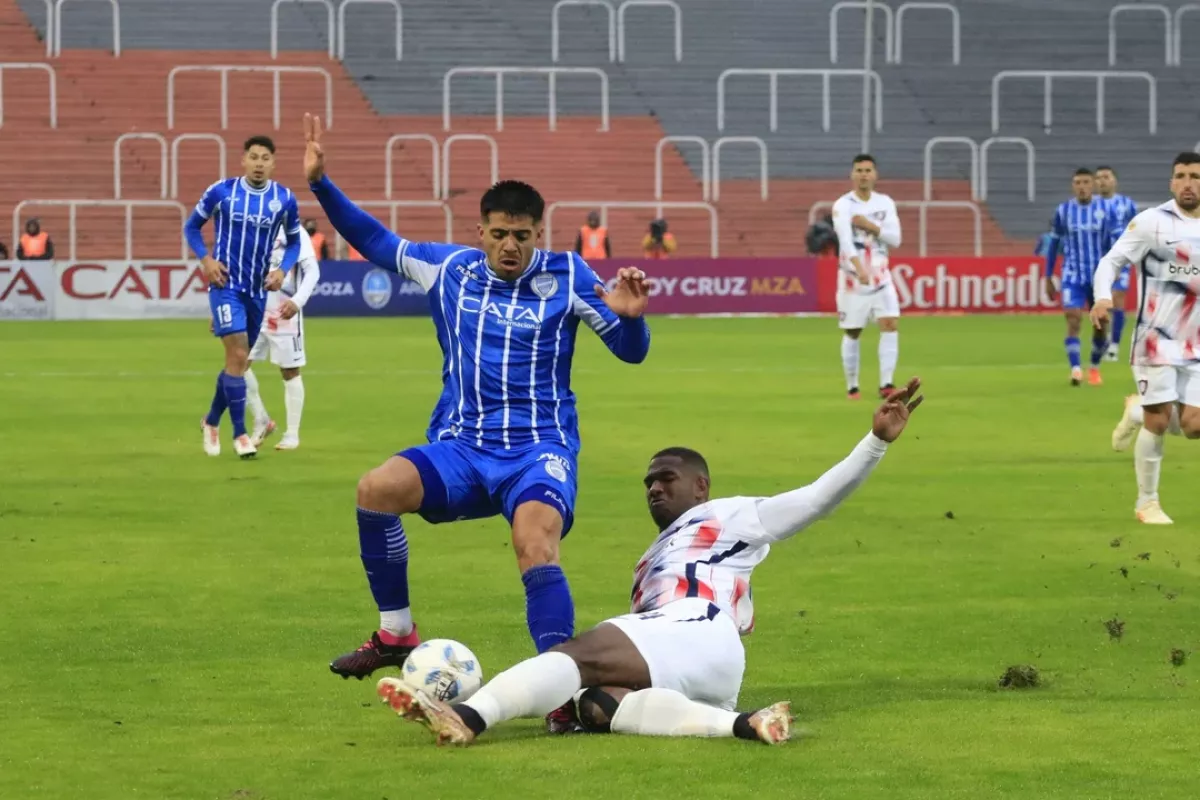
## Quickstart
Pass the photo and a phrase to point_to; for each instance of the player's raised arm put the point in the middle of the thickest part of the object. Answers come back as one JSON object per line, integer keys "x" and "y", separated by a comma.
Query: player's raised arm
{"x": 617, "y": 315}
{"x": 1130, "y": 248}
{"x": 791, "y": 512}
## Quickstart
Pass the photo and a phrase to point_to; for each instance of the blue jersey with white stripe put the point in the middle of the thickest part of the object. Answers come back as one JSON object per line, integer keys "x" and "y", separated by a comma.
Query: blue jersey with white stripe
{"x": 1121, "y": 211}
{"x": 1081, "y": 232}
{"x": 247, "y": 222}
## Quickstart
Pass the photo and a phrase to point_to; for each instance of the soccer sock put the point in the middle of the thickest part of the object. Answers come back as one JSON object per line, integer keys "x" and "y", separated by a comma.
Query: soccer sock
{"x": 293, "y": 399}
{"x": 1099, "y": 345}
{"x": 549, "y": 610}
{"x": 666, "y": 712}
{"x": 533, "y": 688}
{"x": 1147, "y": 462}
{"x": 889, "y": 353}
{"x": 218, "y": 402}
{"x": 384, "y": 551}
{"x": 235, "y": 398}
{"x": 850, "y": 361}
{"x": 1118, "y": 324}
{"x": 253, "y": 400}
{"x": 1072, "y": 344}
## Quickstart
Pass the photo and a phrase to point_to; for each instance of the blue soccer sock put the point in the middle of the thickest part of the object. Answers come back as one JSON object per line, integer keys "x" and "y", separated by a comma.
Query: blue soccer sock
{"x": 1118, "y": 324}
{"x": 549, "y": 610}
{"x": 1099, "y": 345}
{"x": 235, "y": 398}
{"x": 384, "y": 551}
{"x": 1072, "y": 344}
{"x": 218, "y": 402}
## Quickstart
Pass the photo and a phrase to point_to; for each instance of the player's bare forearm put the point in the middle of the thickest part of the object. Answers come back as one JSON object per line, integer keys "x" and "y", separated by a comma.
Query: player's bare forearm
{"x": 364, "y": 233}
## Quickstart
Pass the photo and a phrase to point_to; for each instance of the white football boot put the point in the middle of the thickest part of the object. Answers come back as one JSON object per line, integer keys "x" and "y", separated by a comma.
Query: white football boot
{"x": 211, "y": 438}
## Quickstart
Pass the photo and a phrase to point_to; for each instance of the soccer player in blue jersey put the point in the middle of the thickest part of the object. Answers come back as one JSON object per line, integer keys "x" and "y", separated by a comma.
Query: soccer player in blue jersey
{"x": 248, "y": 213}
{"x": 1081, "y": 232}
{"x": 503, "y": 438}
{"x": 1121, "y": 211}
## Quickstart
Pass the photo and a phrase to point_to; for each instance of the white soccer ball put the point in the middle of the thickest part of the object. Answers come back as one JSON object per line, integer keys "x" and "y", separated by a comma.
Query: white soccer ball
{"x": 443, "y": 668}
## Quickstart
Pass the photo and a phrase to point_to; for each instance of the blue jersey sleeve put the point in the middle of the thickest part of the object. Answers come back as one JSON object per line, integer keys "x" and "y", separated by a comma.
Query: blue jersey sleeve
{"x": 627, "y": 338}
{"x": 291, "y": 227}
{"x": 207, "y": 205}
{"x": 1058, "y": 230}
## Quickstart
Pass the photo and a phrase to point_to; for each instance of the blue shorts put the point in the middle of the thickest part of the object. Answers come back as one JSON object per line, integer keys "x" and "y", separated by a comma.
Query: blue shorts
{"x": 463, "y": 481}
{"x": 1076, "y": 295}
{"x": 1121, "y": 284}
{"x": 236, "y": 312}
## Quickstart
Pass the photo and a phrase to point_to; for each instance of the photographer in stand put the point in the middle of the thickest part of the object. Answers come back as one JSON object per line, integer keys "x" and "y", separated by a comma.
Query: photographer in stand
{"x": 658, "y": 243}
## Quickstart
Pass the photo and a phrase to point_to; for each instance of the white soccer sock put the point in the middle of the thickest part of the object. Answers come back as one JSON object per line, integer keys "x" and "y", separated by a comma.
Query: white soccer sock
{"x": 850, "y": 361}
{"x": 533, "y": 688}
{"x": 254, "y": 400}
{"x": 1147, "y": 463}
{"x": 889, "y": 354}
{"x": 397, "y": 623}
{"x": 293, "y": 399}
{"x": 666, "y": 712}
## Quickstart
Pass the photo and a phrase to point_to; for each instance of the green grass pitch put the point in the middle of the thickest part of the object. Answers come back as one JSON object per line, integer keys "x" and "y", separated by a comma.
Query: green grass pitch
{"x": 166, "y": 619}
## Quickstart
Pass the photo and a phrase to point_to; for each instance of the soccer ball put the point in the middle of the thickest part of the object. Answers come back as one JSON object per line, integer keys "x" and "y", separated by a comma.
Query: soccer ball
{"x": 443, "y": 668}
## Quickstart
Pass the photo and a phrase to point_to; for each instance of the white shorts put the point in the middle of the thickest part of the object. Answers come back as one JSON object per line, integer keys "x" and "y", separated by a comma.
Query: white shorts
{"x": 690, "y": 646}
{"x": 282, "y": 342}
{"x": 1168, "y": 384}
{"x": 856, "y": 310}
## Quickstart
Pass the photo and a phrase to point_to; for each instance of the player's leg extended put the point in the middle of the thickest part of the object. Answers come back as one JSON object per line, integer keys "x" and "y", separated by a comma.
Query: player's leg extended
{"x": 1073, "y": 312}
{"x": 1147, "y": 462}
{"x": 262, "y": 425}
{"x": 1099, "y": 346}
{"x": 230, "y": 322}
{"x": 666, "y": 712}
{"x": 851, "y": 319}
{"x": 293, "y": 401}
{"x": 889, "y": 353}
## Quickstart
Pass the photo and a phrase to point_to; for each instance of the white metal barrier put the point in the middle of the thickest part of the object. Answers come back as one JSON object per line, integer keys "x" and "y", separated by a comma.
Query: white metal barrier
{"x": 1132, "y": 8}
{"x": 704, "y": 167}
{"x": 58, "y": 15}
{"x": 554, "y": 23}
{"x": 341, "y": 25}
{"x": 224, "y": 72}
{"x": 275, "y": 23}
{"x": 393, "y": 207}
{"x": 675, "y": 12}
{"x": 49, "y": 28}
{"x": 963, "y": 140}
{"x": 194, "y": 137}
{"x": 955, "y": 28}
{"x": 1048, "y": 75}
{"x": 434, "y": 171}
{"x": 53, "y": 81}
{"x": 763, "y": 171}
{"x": 500, "y": 72}
{"x": 1030, "y": 164}
{"x": 773, "y": 75}
{"x": 1179, "y": 12}
{"x": 493, "y": 150}
{"x": 128, "y": 205}
{"x": 604, "y": 205}
{"x": 889, "y": 47}
{"x": 162, "y": 156}
{"x": 922, "y": 207}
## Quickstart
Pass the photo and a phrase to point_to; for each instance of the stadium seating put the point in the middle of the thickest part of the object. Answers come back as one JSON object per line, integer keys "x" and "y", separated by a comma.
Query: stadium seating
{"x": 651, "y": 95}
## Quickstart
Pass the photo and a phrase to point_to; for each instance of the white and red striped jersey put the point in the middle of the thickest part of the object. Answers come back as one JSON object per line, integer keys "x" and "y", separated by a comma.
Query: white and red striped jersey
{"x": 873, "y": 250}
{"x": 1165, "y": 243}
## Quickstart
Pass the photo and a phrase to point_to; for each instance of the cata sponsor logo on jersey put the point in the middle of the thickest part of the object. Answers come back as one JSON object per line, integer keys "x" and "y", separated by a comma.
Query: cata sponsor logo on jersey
{"x": 513, "y": 315}
{"x": 377, "y": 289}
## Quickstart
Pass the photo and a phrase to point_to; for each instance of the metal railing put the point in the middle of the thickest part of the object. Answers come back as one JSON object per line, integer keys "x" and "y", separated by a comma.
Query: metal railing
{"x": 341, "y": 25}
{"x": 1133, "y": 8}
{"x": 1179, "y": 12}
{"x": 1030, "y": 164}
{"x": 943, "y": 140}
{"x": 329, "y": 32}
{"x": 605, "y": 205}
{"x": 554, "y": 25}
{"x": 922, "y": 207}
{"x": 53, "y": 80}
{"x": 704, "y": 167}
{"x": 224, "y": 71}
{"x": 194, "y": 137}
{"x": 763, "y": 171}
{"x": 162, "y": 156}
{"x": 58, "y": 24}
{"x": 49, "y": 28}
{"x": 128, "y": 205}
{"x": 393, "y": 207}
{"x": 500, "y": 72}
{"x": 1048, "y": 75}
{"x": 677, "y": 15}
{"x": 889, "y": 47}
{"x": 955, "y": 28}
{"x": 773, "y": 75}
{"x": 493, "y": 150}
{"x": 434, "y": 171}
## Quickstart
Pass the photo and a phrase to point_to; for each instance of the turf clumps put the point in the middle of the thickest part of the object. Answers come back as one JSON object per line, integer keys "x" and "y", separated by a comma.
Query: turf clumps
{"x": 1115, "y": 628}
{"x": 1178, "y": 657}
{"x": 1021, "y": 676}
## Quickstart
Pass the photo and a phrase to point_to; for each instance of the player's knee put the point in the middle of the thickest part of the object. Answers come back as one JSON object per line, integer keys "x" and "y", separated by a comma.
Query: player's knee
{"x": 887, "y": 325}
{"x": 597, "y": 705}
{"x": 289, "y": 373}
{"x": 537, "y": 529}
{"x": 383, "y": 490}
{"x": 1190, "y": 428}
{"x": 853, "y": 333}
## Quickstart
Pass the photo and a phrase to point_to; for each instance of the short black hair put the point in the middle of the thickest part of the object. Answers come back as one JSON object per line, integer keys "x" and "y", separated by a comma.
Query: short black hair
{"x": 1106, "y": 168}
{"x": 259, "y": 141}
{"x": 861, "y": 157}
{"x": 1186, "y": 157}
{"x": 515, "y": 198}
{"x": 1084, "y": 171}
{"x": 687, "y": 455}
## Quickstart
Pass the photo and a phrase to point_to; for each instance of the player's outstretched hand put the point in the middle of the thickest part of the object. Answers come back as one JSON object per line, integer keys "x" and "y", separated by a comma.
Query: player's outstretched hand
{"x": 314, "y": 155}
{"x": 1099, "y": 313}
{"x": 629, "y": 296}
{"x": 288, "y": 309}
{"x": 892, "y": 416}
{"x": 274, "y": 280}
{"x": 214, "y": 271}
